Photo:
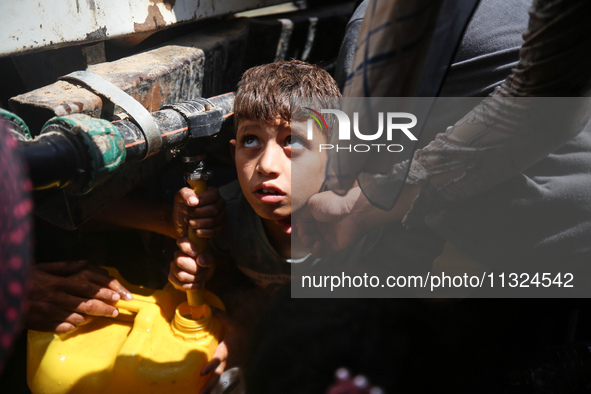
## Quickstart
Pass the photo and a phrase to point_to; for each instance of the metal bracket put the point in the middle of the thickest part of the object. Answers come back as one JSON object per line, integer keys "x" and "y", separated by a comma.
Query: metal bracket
{"x": 131, "y": 106}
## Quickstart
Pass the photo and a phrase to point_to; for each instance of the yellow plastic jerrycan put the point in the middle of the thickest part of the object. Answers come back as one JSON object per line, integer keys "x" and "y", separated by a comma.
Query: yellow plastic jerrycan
{"x": 154, "y": 346}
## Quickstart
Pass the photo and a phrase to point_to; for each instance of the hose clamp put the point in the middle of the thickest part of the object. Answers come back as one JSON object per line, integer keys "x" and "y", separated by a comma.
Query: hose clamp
{"x": 131, "y": 106}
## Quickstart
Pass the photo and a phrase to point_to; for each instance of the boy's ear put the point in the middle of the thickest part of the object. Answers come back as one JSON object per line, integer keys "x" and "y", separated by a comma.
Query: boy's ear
{"x": 233, "y": 148}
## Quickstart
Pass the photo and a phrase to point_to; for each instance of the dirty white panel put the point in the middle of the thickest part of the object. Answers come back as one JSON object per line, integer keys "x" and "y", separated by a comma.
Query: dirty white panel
{"x": 27, "y": 25}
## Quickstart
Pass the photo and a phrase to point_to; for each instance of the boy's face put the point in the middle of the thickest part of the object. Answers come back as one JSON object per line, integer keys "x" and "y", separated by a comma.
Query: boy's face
{"x": 264, "y": 154}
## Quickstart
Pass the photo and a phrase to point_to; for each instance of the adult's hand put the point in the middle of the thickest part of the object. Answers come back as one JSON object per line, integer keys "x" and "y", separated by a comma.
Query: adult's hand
{"x": 327, "y": 223}
{"x": 330, "y": 223}
{"x": 65, "y": 295}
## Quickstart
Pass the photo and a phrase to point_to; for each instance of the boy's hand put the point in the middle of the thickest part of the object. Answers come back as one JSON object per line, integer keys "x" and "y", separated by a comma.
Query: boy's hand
{"x": 226, "y": 354}
{"x": 190, "y": 270}
{"x": 65, "y": 295}
{"x": 203, "y": 214}
{"x": 215, "y": 368}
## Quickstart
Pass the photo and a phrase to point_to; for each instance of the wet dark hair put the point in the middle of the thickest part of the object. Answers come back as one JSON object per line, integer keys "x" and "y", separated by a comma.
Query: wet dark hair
{"x": 268, "y": 91}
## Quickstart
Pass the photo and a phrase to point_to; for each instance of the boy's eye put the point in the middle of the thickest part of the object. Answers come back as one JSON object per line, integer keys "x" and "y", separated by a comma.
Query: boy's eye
{"x": 294, "y": 142}
{"x": 250, "y": 141}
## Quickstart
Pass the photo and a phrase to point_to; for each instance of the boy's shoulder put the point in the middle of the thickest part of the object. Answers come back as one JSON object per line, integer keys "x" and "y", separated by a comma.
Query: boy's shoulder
{"x": 238, "y": 211}
{"x": 239, "y": 218}
{"x": 231, "y": 192}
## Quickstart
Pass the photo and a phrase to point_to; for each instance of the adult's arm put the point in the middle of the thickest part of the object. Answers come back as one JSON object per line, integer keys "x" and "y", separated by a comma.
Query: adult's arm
{"x": 65, "y": 295}
{"x": 203, "y": 214}
{"x": 527, "y": 117}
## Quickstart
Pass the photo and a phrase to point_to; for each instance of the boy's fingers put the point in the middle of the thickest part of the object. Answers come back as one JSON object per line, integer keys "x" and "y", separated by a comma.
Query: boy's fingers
{"x": 179, "y": 216}
{"x": 173, "y": 279}
{"x": 195, "y": 275}
{"x": 207, "y": 222}
{"x": 180, "y": 285}
{"x": 184, "y": 277}
{"x": 187, "y": 196}
{"x": 185, "y": 263}
{"x": 218, "y": 360}
{"x": 205, "y": 260}
{"x": 210, "y": 196}
{"x": 207, "y": 211}
{"x": 210, "y": 366}
{"x": 187, "y": 247}
{"x": 209, "y": 232}
{"x": 217, "y": 365}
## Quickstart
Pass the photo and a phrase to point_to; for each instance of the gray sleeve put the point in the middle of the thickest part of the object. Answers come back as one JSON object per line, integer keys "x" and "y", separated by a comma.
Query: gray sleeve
{"x": 517, "y": 125}
{"x": 349, "y": 44}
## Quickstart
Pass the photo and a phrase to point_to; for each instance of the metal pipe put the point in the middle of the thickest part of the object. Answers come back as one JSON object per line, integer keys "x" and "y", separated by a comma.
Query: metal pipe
{"x": 54, "y": 160}
{"x": 175, "y": 127}
{"x": 78, "y": 152}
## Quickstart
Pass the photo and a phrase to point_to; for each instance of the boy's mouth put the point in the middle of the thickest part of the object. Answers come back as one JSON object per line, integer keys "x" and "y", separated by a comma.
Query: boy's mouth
{"x": 269, "y": 194}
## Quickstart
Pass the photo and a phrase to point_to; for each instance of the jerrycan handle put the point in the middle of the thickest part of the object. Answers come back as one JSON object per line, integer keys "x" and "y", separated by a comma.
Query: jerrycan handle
{"x": 129, "y": 309}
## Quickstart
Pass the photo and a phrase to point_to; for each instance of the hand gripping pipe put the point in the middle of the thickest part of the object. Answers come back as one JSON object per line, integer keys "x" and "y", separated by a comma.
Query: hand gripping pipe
{"x": 78, "y": 152}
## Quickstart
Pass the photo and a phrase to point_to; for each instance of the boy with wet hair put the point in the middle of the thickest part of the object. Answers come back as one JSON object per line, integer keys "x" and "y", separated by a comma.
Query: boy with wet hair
{"x": 271, "y": 139}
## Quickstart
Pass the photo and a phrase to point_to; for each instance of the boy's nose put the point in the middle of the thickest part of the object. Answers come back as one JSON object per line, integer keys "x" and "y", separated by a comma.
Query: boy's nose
{"x": 270, "y": 161}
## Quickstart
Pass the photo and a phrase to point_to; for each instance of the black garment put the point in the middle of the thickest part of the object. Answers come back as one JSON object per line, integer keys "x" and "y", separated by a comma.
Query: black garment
{"x": 15, "y": 240}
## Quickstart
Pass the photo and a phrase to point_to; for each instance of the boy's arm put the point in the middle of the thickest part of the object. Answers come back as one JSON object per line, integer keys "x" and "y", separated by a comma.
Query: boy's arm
{"x": 205, "y": 214}
{"x": 139, "y": 214}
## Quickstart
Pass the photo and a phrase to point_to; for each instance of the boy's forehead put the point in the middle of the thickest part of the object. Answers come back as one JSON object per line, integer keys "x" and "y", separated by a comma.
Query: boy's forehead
{"x": 278, "y": 122}
{"x": 300, "y": 127}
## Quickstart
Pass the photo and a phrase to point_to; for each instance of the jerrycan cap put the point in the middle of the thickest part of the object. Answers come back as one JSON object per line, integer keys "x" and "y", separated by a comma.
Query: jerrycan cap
{"x": 185, "y": 327}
